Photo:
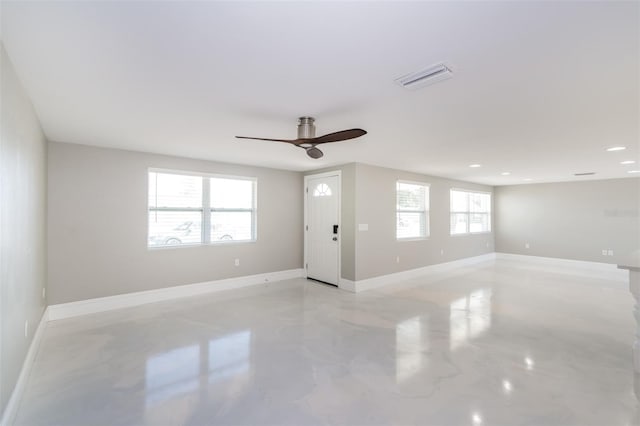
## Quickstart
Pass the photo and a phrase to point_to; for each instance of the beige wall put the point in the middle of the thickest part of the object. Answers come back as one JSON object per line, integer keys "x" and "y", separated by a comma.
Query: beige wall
{"x": 369, "y": 197}
{"x": 98, "y": 225}
{"x": 22, "y": 219}
{"x": 573, "y": 220}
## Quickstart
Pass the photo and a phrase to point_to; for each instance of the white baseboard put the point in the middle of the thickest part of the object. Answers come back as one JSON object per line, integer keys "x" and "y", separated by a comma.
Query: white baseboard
{"x": 599, "y": 267}
{"x": 347, "y": 285}
{"x": 9, "y": 415}
{"x": 383, "y": 280}
{"x": 101, "y": 304}
{"x": 590, "y": 268}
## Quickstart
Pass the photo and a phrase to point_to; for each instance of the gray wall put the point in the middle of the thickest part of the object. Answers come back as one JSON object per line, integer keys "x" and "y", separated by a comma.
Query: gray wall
{"x": 22, "y": 219}
{"x": 573, "y": 220}
{"x": 369, "y": 197}
{"x": 98, "y": 225}
{"x": 377, "y": 249}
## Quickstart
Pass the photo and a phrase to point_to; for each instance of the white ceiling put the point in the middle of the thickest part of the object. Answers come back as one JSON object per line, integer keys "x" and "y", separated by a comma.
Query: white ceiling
{"x": 540, "y": 89}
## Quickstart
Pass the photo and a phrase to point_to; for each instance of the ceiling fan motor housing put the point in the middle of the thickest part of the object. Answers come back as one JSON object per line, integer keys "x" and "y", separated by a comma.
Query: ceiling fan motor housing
{"x": 306, "y": 128}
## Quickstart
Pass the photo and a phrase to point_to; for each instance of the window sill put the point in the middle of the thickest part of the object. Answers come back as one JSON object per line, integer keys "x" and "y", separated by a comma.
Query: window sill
{"x": 216, "y": 244}
{"x": 466, "y": 234}
{"x": 413, "y": 239}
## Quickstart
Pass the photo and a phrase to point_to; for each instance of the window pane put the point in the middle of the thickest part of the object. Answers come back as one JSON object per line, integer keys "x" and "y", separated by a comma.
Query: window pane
{"x": 174, "y": 228}
{"x": 480, "y": 202}
{"x": 169, "y": 190}
{"x": 411, "y": 197}
{"x": 322, "y": 190}
{"x": 227, "y": 226}
{"x": 411, "y": 225}
{"x": 459, "y": 201}
{"x": 231, "y": 193}
{"x": 459, "y": 223}
{"x": 479, "y": 222}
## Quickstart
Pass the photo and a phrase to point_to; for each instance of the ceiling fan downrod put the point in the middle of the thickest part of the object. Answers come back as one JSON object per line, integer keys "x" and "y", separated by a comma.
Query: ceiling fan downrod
{"x": 306, "y": 128}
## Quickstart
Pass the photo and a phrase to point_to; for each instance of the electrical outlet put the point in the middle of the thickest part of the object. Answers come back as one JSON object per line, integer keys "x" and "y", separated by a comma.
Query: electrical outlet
{"x": 237, "y": 262}
{"x": 397, "y": 259}
{"x": 26, "y": 329}
{"x": 44, "y": 292}
{"x": 487, "y": 245}
{"x": 441, "y": 252}
{"x": 604, "y": 252}
{"x": 526, "y": 245}
{"x": 610, "y": 252}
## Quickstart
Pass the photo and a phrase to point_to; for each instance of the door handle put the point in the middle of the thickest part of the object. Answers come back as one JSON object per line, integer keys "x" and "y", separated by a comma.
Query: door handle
{"x": 335, "y": 229}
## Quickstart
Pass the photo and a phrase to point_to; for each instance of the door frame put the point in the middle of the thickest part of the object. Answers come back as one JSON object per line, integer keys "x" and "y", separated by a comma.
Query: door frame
{"x": 305, "y": 194}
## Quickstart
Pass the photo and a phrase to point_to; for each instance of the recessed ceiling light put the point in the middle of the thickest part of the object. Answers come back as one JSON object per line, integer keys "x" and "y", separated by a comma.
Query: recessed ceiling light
{"x": 617, "y": 148}
{"x": 633, "y": 171}
{"x": 475, "y": 166}
{"x": 628, "y": 162}
{"x": 505, "y": 173}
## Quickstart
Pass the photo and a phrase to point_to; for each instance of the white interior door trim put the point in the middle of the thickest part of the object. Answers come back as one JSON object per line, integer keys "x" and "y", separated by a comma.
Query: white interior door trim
{"x": 305, "y": 188}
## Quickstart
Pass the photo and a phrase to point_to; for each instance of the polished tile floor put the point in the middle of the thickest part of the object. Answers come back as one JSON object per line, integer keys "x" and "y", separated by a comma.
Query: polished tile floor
{"x": 500, "y": 343}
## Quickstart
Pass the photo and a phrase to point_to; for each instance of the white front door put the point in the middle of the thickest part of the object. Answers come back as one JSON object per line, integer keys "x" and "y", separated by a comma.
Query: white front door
{"x": 322, "y": 235}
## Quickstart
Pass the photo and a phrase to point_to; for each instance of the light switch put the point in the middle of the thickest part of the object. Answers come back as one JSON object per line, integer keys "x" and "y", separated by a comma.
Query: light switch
{"x": 363, "y": 227}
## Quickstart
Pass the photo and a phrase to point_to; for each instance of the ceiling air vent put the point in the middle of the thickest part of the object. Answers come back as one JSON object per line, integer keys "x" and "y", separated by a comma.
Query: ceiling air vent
{"x": 584, "y": 174}
{"x": 425, "y": 77}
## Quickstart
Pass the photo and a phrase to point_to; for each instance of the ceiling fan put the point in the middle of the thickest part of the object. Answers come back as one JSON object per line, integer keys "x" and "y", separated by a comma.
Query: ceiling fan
{"x": 307, "y": 139}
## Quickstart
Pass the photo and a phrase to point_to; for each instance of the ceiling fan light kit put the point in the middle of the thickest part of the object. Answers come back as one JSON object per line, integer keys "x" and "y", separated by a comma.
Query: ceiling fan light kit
{"x": 307, "y": 139}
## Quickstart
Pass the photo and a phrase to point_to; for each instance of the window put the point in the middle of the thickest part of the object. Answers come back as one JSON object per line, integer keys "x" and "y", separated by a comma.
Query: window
{"x": 322, "y": 190}
{"x": 412, "y": 218}
{"x": 232, "y": 209}
{"x": 470, "y": 212}
{"x": 187, "y": 209}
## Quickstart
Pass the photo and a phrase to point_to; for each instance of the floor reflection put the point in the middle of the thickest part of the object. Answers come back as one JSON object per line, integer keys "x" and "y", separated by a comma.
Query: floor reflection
{"x": 470, "y": 317}
{"x": 229, "y": 356}
{"x": 529, "y": 363}
{"x": 187, "y": 370}
{"x": 411, "y": 344}
{"x": 172, "y": 373}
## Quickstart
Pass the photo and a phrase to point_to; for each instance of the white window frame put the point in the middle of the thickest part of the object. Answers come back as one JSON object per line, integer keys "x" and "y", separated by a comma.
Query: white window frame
{"x": 468, "y": 212}
{"x": 206, "y": 208}
{"x": 425, "y": 211}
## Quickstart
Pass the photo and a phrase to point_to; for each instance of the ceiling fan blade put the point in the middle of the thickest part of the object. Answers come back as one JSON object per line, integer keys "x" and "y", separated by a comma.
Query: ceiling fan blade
{"x": 293, "y": 141}
{"x": 314, "y": 152}
{"x": 342, "y": 135}
{"x": 307, "y": 128}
